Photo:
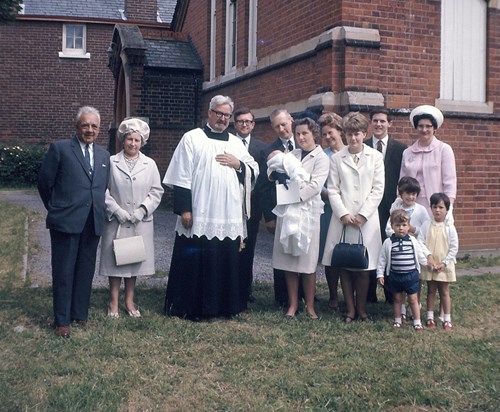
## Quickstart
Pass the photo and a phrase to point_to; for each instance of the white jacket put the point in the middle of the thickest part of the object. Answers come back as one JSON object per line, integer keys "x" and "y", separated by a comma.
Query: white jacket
{"x": 384, "y": 259}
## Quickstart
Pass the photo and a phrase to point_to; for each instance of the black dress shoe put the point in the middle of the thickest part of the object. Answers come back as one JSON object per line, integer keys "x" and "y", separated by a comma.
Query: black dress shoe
{"x": 62, "y": 331}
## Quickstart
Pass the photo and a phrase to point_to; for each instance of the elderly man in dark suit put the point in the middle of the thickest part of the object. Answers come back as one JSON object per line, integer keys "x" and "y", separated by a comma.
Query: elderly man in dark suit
{"x": 281, "y": 122}
{"x": 72, "y": 184}
{"x": 244, "y": 123}
{"x": 392, "y": 150}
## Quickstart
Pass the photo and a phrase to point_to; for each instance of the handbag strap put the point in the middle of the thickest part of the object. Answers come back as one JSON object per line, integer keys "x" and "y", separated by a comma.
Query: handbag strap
{"x": 360, "y": 236}
{"x": 119, "y": 229}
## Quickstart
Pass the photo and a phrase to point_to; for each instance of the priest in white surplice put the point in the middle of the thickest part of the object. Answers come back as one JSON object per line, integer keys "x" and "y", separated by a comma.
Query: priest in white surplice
{"x": 212, "y": 175}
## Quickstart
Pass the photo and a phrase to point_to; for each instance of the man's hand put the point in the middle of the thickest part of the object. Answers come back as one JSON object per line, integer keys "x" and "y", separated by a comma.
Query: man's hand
{"x": 187, "y": 219}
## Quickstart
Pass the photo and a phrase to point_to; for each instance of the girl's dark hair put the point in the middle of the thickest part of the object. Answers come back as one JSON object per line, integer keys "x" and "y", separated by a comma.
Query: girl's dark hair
{"x": 427, "y": 116}
{"x": 409, "y": 185}
{"x": 437, "y": 197}
{"x": 311, "y": 125}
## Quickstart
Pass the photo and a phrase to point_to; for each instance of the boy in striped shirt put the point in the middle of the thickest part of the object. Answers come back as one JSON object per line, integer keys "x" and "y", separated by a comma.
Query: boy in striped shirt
{"x": 400, "y": 258}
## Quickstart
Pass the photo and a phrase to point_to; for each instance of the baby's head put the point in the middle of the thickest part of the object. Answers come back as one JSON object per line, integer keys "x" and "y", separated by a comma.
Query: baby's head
{"x": 400, "y": 222}
{"x": 408, "y": 189}
{"x": 274, "y": 153}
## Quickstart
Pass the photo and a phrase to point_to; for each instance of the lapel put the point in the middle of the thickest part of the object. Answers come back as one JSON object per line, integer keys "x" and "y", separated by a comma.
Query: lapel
{"x": 347, "y": 158}
{"x": 77, "y": 150}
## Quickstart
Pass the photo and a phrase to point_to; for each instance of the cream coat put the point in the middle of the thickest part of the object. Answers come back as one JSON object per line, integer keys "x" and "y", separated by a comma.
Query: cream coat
{"x": 129, "y": 191}
{"x": 316, "y": 164}
{"x": 355, "y": 190}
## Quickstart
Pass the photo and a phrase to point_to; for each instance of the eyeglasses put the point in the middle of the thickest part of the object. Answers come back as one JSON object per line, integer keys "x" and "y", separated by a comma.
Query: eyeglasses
{"x": 221, "y": 115}
{"x": 244, "y": 122}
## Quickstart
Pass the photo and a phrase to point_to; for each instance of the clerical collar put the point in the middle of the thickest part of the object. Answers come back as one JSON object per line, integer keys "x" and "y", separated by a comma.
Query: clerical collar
{"x": 212, "y": 134}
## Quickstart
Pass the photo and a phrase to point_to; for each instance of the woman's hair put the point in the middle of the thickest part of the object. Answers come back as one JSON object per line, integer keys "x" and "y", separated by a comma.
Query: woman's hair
{"x": 399, "y": 216}
{"x": 311, "y": 125}
{"x": 408, "y": 184}
{"x": 220, "y": 100}
{"x": 331, "y": 119}
{"x": 427, "y": 116}
{"x": 437, "y": 197}
{"x": 354, "y": 122}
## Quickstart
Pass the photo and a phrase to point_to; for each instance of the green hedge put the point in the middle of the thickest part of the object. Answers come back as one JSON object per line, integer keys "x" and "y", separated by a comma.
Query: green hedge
{"x": 19, "y": 165}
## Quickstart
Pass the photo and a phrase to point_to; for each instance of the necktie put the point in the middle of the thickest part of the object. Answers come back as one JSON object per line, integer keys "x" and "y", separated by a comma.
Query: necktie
{"x": 290, "y": 146}
{"x": 245, "y": 143}
{"x": 379, "y": 146}
{"x": 87, "y": 158}
{"x": 356, "y": 159}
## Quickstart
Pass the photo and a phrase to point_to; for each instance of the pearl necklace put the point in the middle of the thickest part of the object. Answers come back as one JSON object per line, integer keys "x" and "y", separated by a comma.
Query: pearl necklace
{"x": 131, "y": 162}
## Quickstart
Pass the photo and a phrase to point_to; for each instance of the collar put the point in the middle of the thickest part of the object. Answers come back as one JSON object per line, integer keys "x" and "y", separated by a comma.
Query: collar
{"x": 384, "y": 140}
{"x": 212, "y": 134}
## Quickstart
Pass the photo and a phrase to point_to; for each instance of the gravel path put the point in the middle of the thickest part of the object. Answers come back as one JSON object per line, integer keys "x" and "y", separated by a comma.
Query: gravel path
{"x": 38, "y": 262}
{"x": 39, "y": 269}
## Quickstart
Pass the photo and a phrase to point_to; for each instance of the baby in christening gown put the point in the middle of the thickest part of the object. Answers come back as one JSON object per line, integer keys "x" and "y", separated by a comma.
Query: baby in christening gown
{"x": 297, "y": 225}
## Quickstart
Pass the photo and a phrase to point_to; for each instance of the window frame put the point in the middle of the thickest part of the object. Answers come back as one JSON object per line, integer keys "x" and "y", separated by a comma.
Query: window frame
{"x": 74, "y": 53}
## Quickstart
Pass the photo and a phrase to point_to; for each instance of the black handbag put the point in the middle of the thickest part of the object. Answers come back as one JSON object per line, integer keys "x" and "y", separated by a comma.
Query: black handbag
{"x": 350, "y": 255}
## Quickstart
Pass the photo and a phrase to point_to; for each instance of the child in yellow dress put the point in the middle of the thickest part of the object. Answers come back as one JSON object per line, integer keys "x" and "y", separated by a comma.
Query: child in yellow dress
{"x": 440, "y": 238}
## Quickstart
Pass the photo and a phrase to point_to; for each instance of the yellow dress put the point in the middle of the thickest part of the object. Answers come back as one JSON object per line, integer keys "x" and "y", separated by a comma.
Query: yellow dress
{"x": 437, "y": 243}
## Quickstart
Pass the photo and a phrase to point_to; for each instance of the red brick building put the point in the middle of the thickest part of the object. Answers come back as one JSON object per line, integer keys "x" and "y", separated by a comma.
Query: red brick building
{"x": 357, "y": 54}
{"x": 321, "y": 55}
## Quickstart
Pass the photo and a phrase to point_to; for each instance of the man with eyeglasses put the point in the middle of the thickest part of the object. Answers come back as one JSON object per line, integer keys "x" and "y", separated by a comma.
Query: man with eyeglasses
{"x": 244, "y": 124}
{"x": 212, "y": 174}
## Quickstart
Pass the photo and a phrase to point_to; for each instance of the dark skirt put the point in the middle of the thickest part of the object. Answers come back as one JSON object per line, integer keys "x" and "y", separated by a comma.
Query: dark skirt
{"x": 204, "y": 279}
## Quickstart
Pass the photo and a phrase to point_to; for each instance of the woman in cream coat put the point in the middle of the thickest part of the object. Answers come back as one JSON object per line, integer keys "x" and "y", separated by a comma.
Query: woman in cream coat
{"x": 355, "y": 189}
{"x": 134, "y": 192}
{"x": 301, "y": 265}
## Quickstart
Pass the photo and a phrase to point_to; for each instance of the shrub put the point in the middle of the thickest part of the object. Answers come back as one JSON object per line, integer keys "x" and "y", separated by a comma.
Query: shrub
{"x": 19, "y": 165}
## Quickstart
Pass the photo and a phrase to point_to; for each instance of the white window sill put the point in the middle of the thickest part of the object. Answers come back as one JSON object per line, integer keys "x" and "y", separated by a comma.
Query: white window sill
{"x": 464, "y": 107}
{"x": 85, "y": 56}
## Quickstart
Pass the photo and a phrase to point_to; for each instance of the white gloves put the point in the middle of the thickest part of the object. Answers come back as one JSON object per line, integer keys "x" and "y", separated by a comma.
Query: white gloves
{"x": 122, "y": 216}
{"x": 138, "y": 215}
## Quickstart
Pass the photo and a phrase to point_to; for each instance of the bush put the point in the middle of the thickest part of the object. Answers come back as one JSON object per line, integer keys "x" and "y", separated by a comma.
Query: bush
{"x": 19, "y": 165}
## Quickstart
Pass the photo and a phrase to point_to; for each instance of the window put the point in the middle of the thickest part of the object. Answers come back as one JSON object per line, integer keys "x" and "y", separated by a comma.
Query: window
{"x": 231, "y": 30}
{"x": 213, "y": 39}
{"x": 74, "y": 41}
{"x": 463, "y": 55}
{"x": 252, "y": 33}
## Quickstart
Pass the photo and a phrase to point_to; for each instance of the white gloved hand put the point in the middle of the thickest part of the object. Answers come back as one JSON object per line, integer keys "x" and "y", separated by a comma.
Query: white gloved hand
{"x": 138, "y": 215}
{"x": 122, "y": 216}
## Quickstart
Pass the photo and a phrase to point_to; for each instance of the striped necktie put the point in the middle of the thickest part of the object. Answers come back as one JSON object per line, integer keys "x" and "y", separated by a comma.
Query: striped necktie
{"x": 87, "y": 158}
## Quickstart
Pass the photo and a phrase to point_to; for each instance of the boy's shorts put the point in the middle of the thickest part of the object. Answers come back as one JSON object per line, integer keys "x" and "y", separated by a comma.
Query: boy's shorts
{"x": 408, "y": 282}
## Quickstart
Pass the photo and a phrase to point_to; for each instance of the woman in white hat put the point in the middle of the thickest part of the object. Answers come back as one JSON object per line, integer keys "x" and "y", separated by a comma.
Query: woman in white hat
{"x": 429, "y": 160}
{"x": 134, "y": 192}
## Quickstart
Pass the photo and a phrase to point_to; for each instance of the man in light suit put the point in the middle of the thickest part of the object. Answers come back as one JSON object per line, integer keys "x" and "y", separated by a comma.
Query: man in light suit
{"x": 392, "y": 150}
{"x": 72, "y": 183}
{"x": 281, "y": 122}
{"x": 244, "y": 124}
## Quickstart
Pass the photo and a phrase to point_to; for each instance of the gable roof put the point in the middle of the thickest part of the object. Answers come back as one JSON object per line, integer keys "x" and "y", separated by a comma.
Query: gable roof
{"x": 172, "y": 54}
{"x": 95, "y": 9}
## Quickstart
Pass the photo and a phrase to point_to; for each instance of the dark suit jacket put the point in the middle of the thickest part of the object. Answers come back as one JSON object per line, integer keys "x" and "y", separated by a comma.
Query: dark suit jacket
{"x": 392, "y": 162}
{"x": 256, "y": 149}
{"x": 268, "y": 197}
{"x": 67, "y": 189}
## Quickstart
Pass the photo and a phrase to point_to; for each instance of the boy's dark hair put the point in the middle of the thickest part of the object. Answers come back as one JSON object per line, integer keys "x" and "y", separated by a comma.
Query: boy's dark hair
{"x": 408, "y": 184}
{"x": 437, "y": 197}
{"x": 382, "y": 110}
{"x": 399, "y": 216}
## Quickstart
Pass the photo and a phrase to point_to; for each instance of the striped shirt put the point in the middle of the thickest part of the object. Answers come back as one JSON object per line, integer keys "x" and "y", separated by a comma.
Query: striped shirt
{"x": 402, "y": 255}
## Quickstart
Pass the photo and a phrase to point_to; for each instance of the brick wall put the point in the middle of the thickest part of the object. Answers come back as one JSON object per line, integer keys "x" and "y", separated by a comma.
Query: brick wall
{"x": 405, "y": 70}
{"x": 41, "y": 93}
{"x": 141, "y": 10}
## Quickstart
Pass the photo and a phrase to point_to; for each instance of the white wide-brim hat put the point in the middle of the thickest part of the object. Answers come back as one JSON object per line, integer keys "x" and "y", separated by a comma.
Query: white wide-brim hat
{"x": 134, "y": 125}
{"x": 429, "y": 110}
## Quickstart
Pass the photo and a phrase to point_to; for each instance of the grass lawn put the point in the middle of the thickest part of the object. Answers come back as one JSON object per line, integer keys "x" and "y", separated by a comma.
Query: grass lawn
{"x": 258, "y": 362}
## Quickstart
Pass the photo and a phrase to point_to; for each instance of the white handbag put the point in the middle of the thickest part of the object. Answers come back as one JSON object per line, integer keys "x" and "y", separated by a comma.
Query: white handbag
{"x": 128, "y": 249}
